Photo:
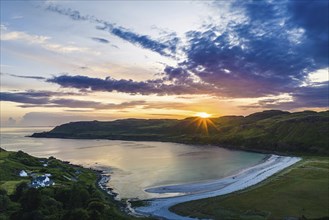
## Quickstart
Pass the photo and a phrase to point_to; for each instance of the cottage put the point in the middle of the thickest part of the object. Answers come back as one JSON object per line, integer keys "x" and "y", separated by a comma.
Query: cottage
{"x": 23, "y": 173}
{"x": 42, "y": 181}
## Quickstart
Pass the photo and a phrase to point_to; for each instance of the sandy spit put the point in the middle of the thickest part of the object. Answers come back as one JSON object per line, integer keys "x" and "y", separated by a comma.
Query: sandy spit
{"x": 248, "y": 177}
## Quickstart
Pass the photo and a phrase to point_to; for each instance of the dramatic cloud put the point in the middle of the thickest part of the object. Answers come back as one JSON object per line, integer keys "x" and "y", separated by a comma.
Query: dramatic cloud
{"x": 302, "y": 97}
{"x": 268, "y": 51}
{"x": 164, "y": 48}
{"x": 128, "y": 86}
{"x": 312, "y": 96}
{"x": 72, "y": 103}
{"x": 23, "y": 98}
{"x": 95, "y": 105}
{"x": 32, "y": 96}
{"x": 254, "y": 49}
{"x": 313, "y": 16}
{"x": 46, "y": 99}
{"x": 43, "y": 93}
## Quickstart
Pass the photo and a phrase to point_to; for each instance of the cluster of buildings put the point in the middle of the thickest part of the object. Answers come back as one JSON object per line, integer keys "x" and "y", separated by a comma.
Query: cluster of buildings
{"x": 38, "y": 180}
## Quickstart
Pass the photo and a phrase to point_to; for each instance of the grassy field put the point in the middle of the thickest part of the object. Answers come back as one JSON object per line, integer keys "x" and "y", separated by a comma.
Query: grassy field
{"x": 300, "y": 191}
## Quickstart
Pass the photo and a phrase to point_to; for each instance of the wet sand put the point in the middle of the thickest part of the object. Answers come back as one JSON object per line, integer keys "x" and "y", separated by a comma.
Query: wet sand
{"x": 245, "y": 178}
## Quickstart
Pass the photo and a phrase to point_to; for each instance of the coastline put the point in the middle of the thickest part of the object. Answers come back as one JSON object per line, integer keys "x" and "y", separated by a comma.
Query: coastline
{"x": 125, "y": 206}
{"x": 86, "y": 185}
{"x": 248, "y": 177}
{"x": 226, "y": 146}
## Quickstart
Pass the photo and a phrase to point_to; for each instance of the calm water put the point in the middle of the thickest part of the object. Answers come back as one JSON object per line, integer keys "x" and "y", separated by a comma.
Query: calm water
{"x": 133, "y": 165}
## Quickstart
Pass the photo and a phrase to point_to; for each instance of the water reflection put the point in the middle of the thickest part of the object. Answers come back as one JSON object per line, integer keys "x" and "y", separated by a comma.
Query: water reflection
{"x": 135, "y": 166}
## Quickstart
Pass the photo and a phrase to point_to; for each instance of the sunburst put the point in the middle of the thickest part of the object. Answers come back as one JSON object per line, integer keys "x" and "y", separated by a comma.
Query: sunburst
{"x": 203, "y": 115}
{"x": 203, "y": 122}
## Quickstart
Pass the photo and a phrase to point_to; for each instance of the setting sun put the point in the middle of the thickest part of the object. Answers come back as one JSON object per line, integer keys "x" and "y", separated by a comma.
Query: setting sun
{"x": 203, "y": 115}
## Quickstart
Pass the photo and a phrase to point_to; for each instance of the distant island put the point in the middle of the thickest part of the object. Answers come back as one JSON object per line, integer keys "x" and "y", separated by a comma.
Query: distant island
{"x": 271, "y": 131}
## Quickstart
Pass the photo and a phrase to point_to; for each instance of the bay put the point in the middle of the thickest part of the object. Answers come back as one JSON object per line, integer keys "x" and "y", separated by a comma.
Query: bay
{"x": 135, "y": 166}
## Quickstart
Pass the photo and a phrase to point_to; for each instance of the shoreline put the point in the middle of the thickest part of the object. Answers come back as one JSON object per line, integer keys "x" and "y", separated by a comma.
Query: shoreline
{"x": 124, "y": 205}
{"x": 226, "y": 146}
{"x": 167, "y": 189}
{"x": 159, "y": 207}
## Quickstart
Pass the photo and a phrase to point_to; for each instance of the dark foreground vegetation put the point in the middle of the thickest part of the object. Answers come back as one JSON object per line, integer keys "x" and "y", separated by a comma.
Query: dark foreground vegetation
{"x": 269, "y": 131}
{"x": 73, "y": 197}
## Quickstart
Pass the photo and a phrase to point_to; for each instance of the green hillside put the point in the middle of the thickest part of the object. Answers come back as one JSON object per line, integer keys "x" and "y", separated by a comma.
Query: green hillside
{"x": 268, "y": 131}
{"x": 74, "y": 194}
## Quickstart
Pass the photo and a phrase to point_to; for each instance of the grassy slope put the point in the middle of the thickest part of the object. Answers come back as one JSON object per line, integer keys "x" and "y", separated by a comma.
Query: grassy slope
{"x": 272, "y": 131}
{"x": 299, "y": 191}
{"x": 11, "y": 163}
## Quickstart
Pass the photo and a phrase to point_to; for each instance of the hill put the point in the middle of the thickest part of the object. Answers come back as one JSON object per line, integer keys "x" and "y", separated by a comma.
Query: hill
{"x": 72, "y": 194}
{"x": 267, "y": 131}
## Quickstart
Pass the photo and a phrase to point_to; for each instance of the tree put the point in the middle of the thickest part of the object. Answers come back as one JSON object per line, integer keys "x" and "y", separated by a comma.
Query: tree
{"x": 31, "y": 199}
{"x": 4, "y": 200}
{"x": 20, "y": 188}
{"x": 75, "y": 214}
{"x": 96, "y": 205}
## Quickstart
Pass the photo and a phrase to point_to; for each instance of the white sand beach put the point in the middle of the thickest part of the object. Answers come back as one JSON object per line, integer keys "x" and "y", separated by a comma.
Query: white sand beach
{"x": 245, "y": 178}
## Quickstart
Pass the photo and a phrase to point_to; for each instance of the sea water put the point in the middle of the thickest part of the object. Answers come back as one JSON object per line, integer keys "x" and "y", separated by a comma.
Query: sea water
{"x": 135, "y": 165}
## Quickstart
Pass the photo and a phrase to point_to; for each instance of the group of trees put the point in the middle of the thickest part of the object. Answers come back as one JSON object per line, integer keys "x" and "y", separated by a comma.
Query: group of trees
{"x": 76, "y": 201}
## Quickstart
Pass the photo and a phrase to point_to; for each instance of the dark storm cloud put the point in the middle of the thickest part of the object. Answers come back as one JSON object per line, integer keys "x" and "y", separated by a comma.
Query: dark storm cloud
{"x": 164, "y": 48}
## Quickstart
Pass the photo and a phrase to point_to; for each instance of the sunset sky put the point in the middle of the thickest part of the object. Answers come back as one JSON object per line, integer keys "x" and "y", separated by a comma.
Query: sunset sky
{"x": 101, "y": 60}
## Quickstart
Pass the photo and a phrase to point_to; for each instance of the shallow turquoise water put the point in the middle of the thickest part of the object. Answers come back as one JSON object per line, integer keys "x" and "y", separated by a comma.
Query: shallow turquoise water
{"x": 133, "y": 165}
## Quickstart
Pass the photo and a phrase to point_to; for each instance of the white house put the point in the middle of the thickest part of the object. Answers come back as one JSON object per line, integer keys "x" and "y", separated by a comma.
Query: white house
{"x": 42, "y": 181}
{"x": 23, "y": 173}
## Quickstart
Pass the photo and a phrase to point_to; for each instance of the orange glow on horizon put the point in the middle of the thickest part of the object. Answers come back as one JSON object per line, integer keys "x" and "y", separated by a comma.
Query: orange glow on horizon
{"x": 203, "y": 115}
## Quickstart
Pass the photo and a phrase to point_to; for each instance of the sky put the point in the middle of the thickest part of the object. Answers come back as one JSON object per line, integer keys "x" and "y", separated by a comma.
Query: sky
{"x": 103, "y": 60}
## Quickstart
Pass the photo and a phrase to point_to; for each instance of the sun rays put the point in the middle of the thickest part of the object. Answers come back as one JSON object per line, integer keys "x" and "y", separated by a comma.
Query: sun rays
{"x": 203, "y": 123}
